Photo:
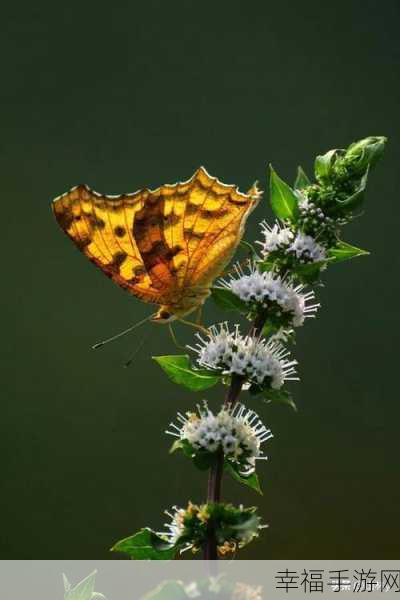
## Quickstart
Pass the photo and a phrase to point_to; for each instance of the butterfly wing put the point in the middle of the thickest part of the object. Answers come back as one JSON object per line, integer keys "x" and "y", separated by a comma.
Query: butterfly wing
{"x": 103, "y": 228}
{"x": 158, "y": 244}
{"x": 214, "y": 222}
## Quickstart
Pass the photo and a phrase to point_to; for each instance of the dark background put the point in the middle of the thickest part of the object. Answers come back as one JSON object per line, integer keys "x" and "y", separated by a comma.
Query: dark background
{"x": 127, "y": 95}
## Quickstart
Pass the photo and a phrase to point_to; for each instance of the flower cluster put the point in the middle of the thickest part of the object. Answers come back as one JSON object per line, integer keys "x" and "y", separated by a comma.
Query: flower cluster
{"x": 275, "y": 237}
{"x": 237, "y": 431}
{"x": 286, "y": 303}
{"x": 306, "y": 249}
{"x": 303, "y": 247}
{"x": 264, "y": 363}
{"x": 234, "y": 527}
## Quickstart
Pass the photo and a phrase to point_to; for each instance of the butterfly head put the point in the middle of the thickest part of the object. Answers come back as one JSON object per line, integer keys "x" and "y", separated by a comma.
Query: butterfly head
{"x": 163, "y": 316}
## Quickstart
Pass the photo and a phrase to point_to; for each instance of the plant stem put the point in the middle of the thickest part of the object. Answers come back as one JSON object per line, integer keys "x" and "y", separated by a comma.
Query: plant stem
{"x": 217, "y": 469}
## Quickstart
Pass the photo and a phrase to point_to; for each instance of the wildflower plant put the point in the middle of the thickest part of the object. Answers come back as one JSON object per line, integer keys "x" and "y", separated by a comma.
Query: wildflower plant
{"x": 274, "y": 291}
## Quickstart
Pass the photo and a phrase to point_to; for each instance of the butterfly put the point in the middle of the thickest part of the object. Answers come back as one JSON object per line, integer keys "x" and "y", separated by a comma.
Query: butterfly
{"x": 165, "y": 246}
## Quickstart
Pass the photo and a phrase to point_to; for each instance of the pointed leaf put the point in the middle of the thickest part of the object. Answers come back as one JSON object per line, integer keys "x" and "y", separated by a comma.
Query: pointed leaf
{"x": 309, "y": 272}
{"x": 365, "y": 153}
{"x": 269, "y": 329}
{"x": 183, "y": 445}
{"x": 282, "y": 197}
{"x": 266, "y": 265}
{"x": 343, "y": 251}
{"x": 180, "y": 371}
{"x": 145, "y": 545}
{"x": 356, "y": 199}
{"x": 279, "y": 397}
{"x": 250, "y": 481}
{"x": 323, "y": 164}
{"x": 302, "y": 181}
{"x": 227, "y": 300}
{"x": 204, "y": 460}
{"x": 83, "y": 590}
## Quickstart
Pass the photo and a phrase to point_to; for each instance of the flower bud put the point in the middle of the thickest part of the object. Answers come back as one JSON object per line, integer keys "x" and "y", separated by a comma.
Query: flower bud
{"x": 365, "y": 153}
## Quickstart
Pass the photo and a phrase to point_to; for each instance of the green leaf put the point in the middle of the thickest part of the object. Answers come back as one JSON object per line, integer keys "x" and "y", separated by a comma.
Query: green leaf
{"x": 180, "y": 371}
{"x": 343, "y": 251}
{"x": 251, "y": 481}
{"x": 83, "y": 590}
{"x": 145, "y": 545}
{"x": 202, "y": 459}
{"x": 279, "y": 397}
{"x": 356, "y": 199}
{"x": 309, "y": 272}
{"x": 269, "y": 329}
{"x": 183, "y": 445}
{"x": 323, "y": 164}
{"x": 227, "y": 300}
{"x": 282, "y": 197}
{"x": 302, "y": 181}
{"x": 266, "y": 265}
{"x": 365, "y": 153}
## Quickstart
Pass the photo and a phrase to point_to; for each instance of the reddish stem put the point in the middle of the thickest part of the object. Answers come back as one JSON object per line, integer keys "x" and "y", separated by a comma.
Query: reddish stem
{"x": 217, "y": 469}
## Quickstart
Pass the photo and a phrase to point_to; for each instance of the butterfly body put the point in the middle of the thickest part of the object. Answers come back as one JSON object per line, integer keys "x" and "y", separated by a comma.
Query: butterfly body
{"x": 164, "y": 246}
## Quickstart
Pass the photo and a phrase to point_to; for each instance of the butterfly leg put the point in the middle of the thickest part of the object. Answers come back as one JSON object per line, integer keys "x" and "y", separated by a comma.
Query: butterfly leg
{"x": 177, "y": 344}
{"x": 195, "y": 325}
{"x": 199, "y": 315}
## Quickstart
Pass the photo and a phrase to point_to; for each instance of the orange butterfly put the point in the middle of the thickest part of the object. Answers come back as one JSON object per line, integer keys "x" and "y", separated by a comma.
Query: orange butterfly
{"x": 165, "y": 246}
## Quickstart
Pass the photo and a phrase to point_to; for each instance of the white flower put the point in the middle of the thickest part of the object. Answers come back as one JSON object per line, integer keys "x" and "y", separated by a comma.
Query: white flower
{"x": 259, "y": 361}
{"x": 238, "y": 431}
{"x": 270, "y": 289}
{"x": 306, "y": 248}
{"x": 176, "y": 527}
{"x": 275, "y": 237}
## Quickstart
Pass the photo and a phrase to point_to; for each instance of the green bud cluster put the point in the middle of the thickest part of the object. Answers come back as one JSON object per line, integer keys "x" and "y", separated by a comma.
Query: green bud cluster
{"x": 320, "y": 209}
{"x": 342, "y": 176}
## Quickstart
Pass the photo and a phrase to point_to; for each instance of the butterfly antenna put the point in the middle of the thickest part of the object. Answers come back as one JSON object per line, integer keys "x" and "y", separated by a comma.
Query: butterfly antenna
{"x": 118, "y": 335}
{"x": 139, "y": 347}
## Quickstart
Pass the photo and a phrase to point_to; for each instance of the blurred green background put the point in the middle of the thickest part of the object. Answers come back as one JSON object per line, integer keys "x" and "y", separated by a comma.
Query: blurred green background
{"x": 127, "y": 95}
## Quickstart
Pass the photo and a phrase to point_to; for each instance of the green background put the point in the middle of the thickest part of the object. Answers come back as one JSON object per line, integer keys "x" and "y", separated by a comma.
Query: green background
{"x": 127, "y": 95}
